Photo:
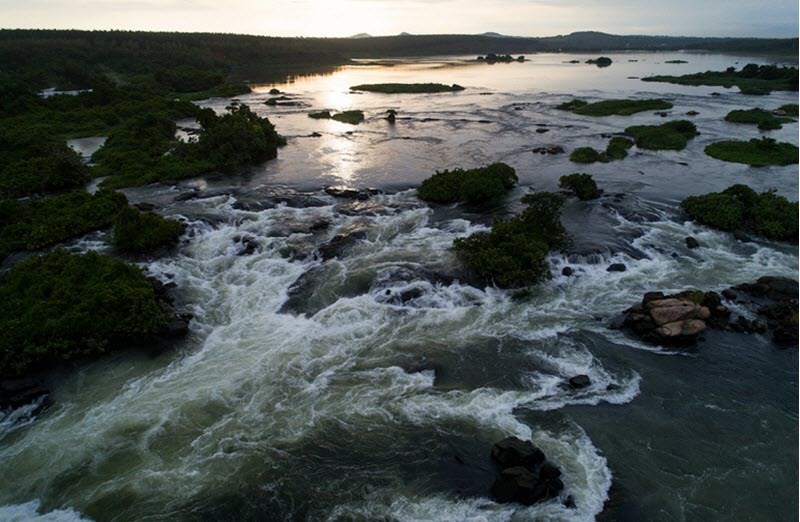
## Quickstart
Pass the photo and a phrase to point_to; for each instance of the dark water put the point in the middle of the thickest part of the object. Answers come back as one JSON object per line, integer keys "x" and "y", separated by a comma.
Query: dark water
{"x": 289, "y": 401}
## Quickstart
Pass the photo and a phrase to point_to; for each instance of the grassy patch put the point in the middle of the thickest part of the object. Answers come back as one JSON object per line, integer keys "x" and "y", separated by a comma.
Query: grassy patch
{"x": 673, "y": 135}
{"x": 617, "y": 149}
{"x": 752, "y": 78}
{"x": 512, "y": 254}
{"x": 614, "y": 107}
{"x": 137, "y": 231}
{"x": 407, "y": 88}
{"x": 740, "y": 208}
{"x": 62, "y": 307}
{"x": 756, "y": 152}
{"x": 351, "y": 117}
{"x": 763, "y": 119}
{"x": 474, "y": 186}
{"x": 320, "y": 115}
{"x": 581, "y": 186}
{"x": 587, "y": 155}
{"x": 39, "y": 223}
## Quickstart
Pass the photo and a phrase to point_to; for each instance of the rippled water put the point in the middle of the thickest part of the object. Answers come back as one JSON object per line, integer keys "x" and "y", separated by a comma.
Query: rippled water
{"x": 290, "y": 400}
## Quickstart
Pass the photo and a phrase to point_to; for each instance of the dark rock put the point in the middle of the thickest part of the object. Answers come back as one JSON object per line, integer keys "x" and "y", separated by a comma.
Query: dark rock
{"x": 542, "y": 131}
{"x": 692, "y": 243}
{"x": 15, "y": 393}
{"x": 512, "y": 452}
{"x": 692, "y": 113}
{"x": 523, "y": 486}
{"x": 741, "y": 236}
{"x": 616, "y": 267}
{"x": 729, "y": 294}
{"x": 186, "y": 196}
{"x": 569, "y": 502}
{"x": 652, "y": 296}
{"x": 580, "y": 381}
{"x": 144, "y": 207}
{"x": 351, "y": 193}
{"x": 567, "y": 271}
{"x": 663, "y": 114}
{"x": 247, "y": 244}
{"x": 341, "y": 242}
{"x": 315, "y": 135}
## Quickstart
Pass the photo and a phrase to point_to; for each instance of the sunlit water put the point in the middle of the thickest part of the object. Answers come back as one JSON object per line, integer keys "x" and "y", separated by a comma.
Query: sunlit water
{"x": 289, "y": 400}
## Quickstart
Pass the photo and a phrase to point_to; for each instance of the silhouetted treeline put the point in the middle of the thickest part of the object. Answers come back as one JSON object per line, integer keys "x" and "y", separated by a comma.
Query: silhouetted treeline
{"x": 74, "y": 58}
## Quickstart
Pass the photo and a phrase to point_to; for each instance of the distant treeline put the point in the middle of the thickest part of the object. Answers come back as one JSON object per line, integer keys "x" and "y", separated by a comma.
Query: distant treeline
{"x": 74, "y": 58}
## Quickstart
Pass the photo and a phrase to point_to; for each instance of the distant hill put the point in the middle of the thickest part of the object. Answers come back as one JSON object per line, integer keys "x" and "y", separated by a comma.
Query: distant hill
{"x": 361, "y": 35}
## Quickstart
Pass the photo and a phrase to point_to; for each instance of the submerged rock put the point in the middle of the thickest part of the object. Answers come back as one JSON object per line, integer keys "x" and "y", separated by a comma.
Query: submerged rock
{"x": 580, "y": 381}
{"x": 526, "y": 477}
{"x": 692, "y": 243}
{"x": 567, "y": 271}
{"x": 616, "y": 267}
{"x": 342, "y": 242}
{"x": 351, "y": 193}
{"x": 550, "y": 149}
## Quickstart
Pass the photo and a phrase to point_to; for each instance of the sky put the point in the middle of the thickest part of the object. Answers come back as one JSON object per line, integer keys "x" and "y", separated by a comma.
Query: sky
{"x": 765, "y": 18}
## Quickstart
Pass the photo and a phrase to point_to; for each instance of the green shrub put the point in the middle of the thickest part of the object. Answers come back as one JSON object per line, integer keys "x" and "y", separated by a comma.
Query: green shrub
{"x": 43, "y": 222}
{"x": 406, "y": 88}
{"x": 512, "y": 254}
{"x": 587, "y": 155}
{"x": 31, "y": 163}
{"x": 673, "y": 135}
{"x": 351, "y": 117}
{"x": 320, "y": 115}
{"x": 756, "y": 152}
{"x": 474, "y": 186}
{"x": 581, "y": 185}
{"x": 137, "y": 231}
{"x": 764, "y": 119}
{"x": 62, "y": 307}
{"x": 617, "y": 148}
{"x": 740, "y": 208}
{"x": 620, "y": 107}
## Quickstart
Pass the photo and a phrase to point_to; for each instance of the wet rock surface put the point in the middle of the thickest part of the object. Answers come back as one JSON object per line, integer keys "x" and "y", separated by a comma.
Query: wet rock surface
{"x": 526, "y": 477}
{"x": 18, "y": 392}
{"x": 678, "y": 319}
{"x": 550, "y": 149}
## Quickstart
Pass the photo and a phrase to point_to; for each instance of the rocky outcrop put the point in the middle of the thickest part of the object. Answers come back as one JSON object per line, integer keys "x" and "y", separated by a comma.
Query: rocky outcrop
{"x": 351, "y": 193}
{"x": 677, "y": 320}
{"x": 526, "y": 477}
{"x": 15, "y": 393}
{"x": 550, "y": 149}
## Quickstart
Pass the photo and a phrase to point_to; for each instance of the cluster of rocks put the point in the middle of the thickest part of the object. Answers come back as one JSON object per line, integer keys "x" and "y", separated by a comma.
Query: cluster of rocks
{"x": 352, "y": 193}
{"x": 678, "y": 319}
{"x": 526, "y": 477}
{"x": 550, "y": 149}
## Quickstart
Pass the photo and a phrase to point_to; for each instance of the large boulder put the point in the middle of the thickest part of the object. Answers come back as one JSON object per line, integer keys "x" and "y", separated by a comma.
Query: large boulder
{"x": 526, "y": 477}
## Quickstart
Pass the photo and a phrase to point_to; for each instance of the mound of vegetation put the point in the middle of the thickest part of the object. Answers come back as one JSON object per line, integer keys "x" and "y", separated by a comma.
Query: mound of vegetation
{"x": 351, "y": 117}
{"x": 581, "y": 186}
{"x": 740, "y": 208}
{"x": 474, "y": 186}
{"x": 756, "y": 152}
{"x": 406, "y": 88}
{"x": 751, "y": 79}
{"x": 37, "y": 164}
{"x": 614, "y": 107}
{"x": 763, "y": 119}
{"x": 617, "y": 149}
{"x": 320, "y": 115}
{"x": 137, "y": 231}
{"x": 603, "y": 61}
{"x": 144, "y": 149}
{"x": 790, "y": 109}
{"x": 673, "y": 135}
{"x": 501, "y": 58}
{"x": 62, "y": 307}
{"x": 38, "y": 223}
{"x": 512, "y": 254}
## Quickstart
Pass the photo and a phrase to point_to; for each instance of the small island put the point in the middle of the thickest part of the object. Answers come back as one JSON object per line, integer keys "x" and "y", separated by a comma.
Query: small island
{"x": 765, "y": 120}
{"x": 751, "y": 79}
{"x": 756, "y": 152}
{"x": 500, "y": 58}
{"x": 673, "y": 135}
{"x": 603, "y": 61}
{"x": 407, "y": 88}
{"x": 475, "y": 186}
{"x": 614, "y": 107}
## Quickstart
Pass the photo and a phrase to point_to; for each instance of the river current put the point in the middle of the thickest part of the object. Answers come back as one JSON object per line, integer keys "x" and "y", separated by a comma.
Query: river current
{"x": 292, "y": 398}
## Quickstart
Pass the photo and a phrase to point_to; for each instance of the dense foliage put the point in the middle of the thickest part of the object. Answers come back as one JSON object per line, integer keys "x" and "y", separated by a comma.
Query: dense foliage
{"x": 752, "y": 79}
{"x": 616, "y": 149}
{"x": 353, "y": 117}
{"x": 587, "y": 155}
{"x": 512, "y": 254}
{"x": 61, "y": 307}
{"x": 756, "y": 152}
{"x": 137, "y": 231}
{"x": 37, "y": 164}
{"x": 35, "y": 224}
{"x": 580, "y": 185}
{"x": 740, "y": 208}
{"x": 614, "y": 107}
{"x": 763, "y": 119}
{"x": 673, "y": 135}
{"x": 500, "y": 58}
{"x": 406, "y": 88}
{"x": 474, "y": 186}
